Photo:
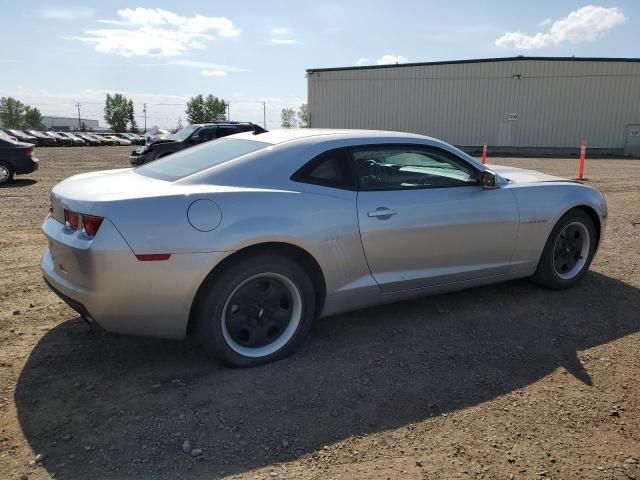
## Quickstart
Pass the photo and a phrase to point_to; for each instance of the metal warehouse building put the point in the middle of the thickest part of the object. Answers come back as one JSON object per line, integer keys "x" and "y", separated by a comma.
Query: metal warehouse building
{"x": 68, "y": 123}
{"x": 516, "y": 104}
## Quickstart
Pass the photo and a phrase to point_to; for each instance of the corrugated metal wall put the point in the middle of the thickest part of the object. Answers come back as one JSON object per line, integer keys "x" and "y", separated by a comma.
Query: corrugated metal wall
{"x": 558, "y": 103}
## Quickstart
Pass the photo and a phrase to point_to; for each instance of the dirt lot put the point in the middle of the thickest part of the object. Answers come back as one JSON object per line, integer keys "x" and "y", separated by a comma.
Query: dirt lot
{"x": 508, "y": 381}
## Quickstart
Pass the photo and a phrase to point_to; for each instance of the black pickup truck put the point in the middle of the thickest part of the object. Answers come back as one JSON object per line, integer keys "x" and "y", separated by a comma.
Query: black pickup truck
{"x": 188, "y": 137}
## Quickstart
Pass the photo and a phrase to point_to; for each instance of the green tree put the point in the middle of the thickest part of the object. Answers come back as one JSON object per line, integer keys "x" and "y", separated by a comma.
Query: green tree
{"x": 83, "y": 127}
{"x": 303, "y": 116}
{"x": 32, "y": 118}
{"x": 179, "y": 126}
{"x": 132, "y": 117}
{"x": 12, "y": 112}
{"x": 203, "y": 110}
{"x": 118, "y": 112}
{"x": 288, "y": 118}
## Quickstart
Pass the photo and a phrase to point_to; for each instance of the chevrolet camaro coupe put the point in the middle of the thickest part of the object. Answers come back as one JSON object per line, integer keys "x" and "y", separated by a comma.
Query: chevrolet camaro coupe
{"x": 243, "y": 241}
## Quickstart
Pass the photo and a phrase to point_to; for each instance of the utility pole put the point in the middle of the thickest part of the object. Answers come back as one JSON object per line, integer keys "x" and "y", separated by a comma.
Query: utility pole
{"x": 228, "y": 112}
{"x": 79, "y": 121}
{"x": 144, "y": 109}
{"x": 264, "y": 114}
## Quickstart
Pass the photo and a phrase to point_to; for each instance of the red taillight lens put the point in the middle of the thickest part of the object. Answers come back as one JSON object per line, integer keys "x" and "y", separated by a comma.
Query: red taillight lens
{"x": 71, "y": 219}
{"x": 29, "y": 152}
{"x": 91, "y": 224}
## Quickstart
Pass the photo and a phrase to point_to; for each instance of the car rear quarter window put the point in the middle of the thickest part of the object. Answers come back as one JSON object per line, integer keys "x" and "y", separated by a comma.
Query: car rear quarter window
{"x": 330, "y": 169}
{"x": 193, "y": 160}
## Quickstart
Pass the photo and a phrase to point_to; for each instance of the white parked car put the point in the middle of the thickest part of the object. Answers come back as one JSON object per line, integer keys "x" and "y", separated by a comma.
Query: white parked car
{"x": 117, "y": 140}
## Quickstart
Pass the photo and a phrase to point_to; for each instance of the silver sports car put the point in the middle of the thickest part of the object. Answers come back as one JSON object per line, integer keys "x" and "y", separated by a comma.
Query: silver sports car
{"x": 245, "y": 240}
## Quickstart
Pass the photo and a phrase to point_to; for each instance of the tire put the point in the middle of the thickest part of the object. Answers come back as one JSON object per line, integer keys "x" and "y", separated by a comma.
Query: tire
{"x": 257, "y": 310}
{"x": 6, "y": 173}
{"x": 568, "y": 252}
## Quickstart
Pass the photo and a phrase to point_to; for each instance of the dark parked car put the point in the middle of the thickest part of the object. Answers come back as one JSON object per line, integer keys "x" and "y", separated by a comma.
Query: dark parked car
{"x": 188, "y": 137}
{"x": 16, "y": 158}
{"x": 89, "y": 140}
{"x": 132, "y": 137}
{"x": 61, "y": 140}
{"x": 20, "y": 135}
{"x": 77, "y": 141}
{"x": 42, "y": 139}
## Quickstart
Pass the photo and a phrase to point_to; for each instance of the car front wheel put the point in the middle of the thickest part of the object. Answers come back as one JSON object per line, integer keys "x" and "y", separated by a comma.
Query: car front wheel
{"x": 568, "y": 252}
{"x": 255, "y": 311}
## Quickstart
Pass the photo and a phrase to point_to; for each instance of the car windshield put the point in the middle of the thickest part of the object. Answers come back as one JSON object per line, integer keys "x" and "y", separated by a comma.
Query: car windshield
{"x": 193, "y": 160}
{"x": 184, "y": 133}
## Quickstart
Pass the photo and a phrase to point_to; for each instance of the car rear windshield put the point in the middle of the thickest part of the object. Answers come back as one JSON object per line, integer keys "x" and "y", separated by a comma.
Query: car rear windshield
{"x": 193, "y": 160}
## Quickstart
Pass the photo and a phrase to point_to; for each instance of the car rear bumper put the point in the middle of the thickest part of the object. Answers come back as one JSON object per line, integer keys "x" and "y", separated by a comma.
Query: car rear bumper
{"x": 27, "y": 166}
{"x": 102, "y": 280}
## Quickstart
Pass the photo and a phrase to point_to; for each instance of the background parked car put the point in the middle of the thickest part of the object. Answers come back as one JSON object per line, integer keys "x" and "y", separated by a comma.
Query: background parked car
{"x": 132, "y": 137}
{"x": 118, "y": 140}
{"x": 137, "y": 139}
{"x": 90, "y": 140}
{"x": 42, "y": 139}
{"x": 189, "y": 136}
{"x": 20, "y": 135}
{"x": 16, "y": 158}
{"x": 104, "y": 140}
{"x": 61, "y": 140}
{"x": 77, "y": 141}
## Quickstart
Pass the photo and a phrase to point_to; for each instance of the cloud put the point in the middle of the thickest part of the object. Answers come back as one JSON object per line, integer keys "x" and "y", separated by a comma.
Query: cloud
{"x": 156, "y": 32}
{"x": 213, "y": 73}
{"x": 585, "y": 24}
{"x": 201, "y": 65}
{"x": 65, "y": 13}
{"x": 387, "y": 59}
{"x": 545, "y": 22}
{"x": 363, "y": 61}
{"x": 284, "y": 41}
{"x": 280, "y": 31}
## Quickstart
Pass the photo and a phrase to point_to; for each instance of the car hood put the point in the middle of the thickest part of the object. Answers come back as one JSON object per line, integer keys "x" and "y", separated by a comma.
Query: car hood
{"x": 521, "y": 175}
{"x": 156, "y": 141}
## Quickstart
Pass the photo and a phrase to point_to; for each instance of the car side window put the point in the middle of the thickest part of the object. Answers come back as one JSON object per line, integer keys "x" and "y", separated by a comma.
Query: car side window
{"x": 410, "y": 167}
{"x": 207, "y": 134}
{"x": 224, "y": 131}
{"x": 330, "y": 169}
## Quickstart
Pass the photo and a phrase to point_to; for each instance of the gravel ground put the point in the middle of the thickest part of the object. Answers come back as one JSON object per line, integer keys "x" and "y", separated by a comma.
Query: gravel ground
{"x": 507, "y": 381}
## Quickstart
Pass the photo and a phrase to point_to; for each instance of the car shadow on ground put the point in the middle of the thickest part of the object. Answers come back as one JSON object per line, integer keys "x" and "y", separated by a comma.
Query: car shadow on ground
{"x": 19, "y": 183}
{"x": 98, "y": 405}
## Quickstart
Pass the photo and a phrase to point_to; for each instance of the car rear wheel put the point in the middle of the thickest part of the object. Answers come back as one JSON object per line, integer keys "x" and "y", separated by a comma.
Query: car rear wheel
{"x": 6, "y": 173}
{"x": 255, "y": 311}
{"x": 568, "y": 252}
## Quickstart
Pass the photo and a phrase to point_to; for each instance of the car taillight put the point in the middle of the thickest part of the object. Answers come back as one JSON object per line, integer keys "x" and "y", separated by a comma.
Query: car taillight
{"x": 91, "y": 224}
{"x": 29, "y": 151}
{"x": 71, "y": 219}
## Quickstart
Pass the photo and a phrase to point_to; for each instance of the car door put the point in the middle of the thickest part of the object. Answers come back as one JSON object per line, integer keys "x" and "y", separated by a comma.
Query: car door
{"x": 426, "y": 220}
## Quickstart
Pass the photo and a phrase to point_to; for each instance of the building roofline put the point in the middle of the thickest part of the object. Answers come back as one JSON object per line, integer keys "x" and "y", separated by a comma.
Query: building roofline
{"x": 476, "y": 60}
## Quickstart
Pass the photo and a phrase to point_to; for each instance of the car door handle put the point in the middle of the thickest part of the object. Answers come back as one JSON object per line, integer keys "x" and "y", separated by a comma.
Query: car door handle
{"x": 381, "y": 212}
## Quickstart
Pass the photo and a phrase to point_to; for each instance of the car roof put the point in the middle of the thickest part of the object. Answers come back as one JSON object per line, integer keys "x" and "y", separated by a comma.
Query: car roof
{"x": 221, "y": 124}
{"x": 324, "y": 134}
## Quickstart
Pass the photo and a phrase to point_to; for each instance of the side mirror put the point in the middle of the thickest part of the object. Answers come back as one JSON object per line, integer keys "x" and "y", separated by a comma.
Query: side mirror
{"x": 489, "y": 180}
{"x": 195, "y": 138}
